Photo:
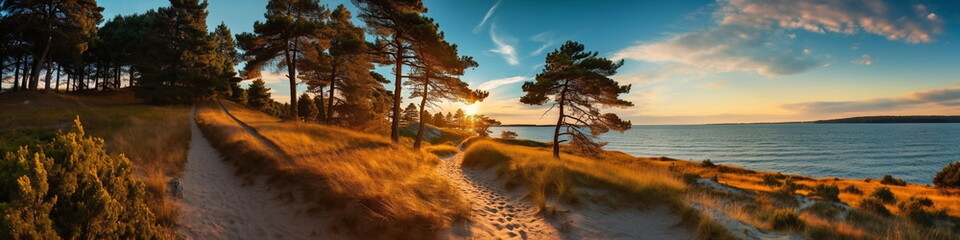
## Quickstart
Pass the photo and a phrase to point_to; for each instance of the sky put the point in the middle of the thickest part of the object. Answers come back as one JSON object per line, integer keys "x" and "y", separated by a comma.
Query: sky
{"x": 693, "y": 62}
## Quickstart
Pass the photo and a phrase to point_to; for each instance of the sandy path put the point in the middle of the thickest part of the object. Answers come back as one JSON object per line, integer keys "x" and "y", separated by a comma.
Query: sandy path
{"x": 497, "y": 214}
{"x": 216, "y": 204}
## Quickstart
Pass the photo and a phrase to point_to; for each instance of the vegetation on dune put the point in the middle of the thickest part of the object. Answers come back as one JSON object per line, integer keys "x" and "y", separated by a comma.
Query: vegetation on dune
{"x": 154, "y": 138}
{"x": 376, "y": 188}
{"x": 73, "y": 189}
{"x": 545, "y": 178}
{"x": 949, "y": 177}
{"x": 886, "y": 214}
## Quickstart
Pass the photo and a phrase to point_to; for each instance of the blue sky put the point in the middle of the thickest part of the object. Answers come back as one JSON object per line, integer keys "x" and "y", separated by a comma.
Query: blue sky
{"x": 693, "y": 62}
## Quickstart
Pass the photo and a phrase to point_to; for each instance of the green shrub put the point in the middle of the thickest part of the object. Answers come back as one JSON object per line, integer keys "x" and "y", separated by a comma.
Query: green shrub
{"x": 786, "y": 219}
{"x": 853, "y": 190}
{"x": 508, "y": 135}
{"x": 949, "y": 177}
{"x": 884, "y": 194}
{"x": 889, "y": 180}
{"x": 73, "y": 189}
{"x": 875, "y": 206}
{"x": 771, "y": 180}
{"x": 831, "y": 192}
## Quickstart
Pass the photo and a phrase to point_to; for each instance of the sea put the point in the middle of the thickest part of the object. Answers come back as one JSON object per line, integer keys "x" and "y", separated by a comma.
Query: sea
{"x": 912, "y": 152}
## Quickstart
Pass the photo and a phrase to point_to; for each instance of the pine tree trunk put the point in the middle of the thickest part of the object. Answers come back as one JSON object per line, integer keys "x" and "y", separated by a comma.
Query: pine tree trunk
{"x": 423, "y": 104}
{"x": 46, "y": 85}
{"x": 292, "y": 75}
{"x": 333, "y": 90}
{"x": 38, "y": 64}
{"x": 556, "y": 130}
{"x": 59, "y": 69}
{"x": 398, "y": 72}
{"x": 16, "y": 74}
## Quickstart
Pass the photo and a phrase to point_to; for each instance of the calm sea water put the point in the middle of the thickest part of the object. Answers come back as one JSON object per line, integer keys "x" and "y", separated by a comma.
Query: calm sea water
{"x": 913, "y": 152}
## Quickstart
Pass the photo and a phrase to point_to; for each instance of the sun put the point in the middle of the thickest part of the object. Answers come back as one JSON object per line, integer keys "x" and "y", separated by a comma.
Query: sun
{"x": 472, "y": 109}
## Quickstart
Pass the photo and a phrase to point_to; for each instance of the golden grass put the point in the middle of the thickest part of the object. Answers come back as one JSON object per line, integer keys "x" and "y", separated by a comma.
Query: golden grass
{"x": 376, "y": 188}
{"x": 545, "y": 177}
{"x": 860, "y": 224}
{"x": 154, "y": 138}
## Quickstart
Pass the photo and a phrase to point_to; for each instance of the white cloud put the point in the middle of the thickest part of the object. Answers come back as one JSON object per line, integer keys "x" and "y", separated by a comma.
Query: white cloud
{"x": 864, "y": 60}
{"x": 504, "y": 46}
{"x": 486, "y": 17}
{"x": 489, "y": 85}
{"x": 752, "y": 36}
{"x": 546, "y": 39}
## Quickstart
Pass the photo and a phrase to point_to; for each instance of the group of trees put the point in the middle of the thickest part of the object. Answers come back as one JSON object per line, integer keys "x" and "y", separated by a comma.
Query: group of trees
{"x": 325, "y": 50}
{"x": 412, "y": 114}
{"x": 170, "y": 56}
{"x": 167, "y": 53}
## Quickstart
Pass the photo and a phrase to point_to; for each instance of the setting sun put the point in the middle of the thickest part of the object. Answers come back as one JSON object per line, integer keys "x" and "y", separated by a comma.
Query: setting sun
{"x": 472, "y": 109}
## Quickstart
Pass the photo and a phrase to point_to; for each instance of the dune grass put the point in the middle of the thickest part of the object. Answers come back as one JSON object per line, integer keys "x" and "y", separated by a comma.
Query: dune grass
{"x": 773, "y": 193}
{"x": 376, "y": 189}
{"x": 154, "y": 138}
{"x": 545, "y": 177}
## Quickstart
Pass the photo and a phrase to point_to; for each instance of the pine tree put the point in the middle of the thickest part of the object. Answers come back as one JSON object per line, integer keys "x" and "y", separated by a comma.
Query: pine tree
{"x": 258, "y": 96}
{"x": 436, "y": 75}
{"x": 579, "y": 83}
{"x": 307, "y": 108}
{"x": 481, "y": 124}
{"x": 410, "y": 114}
{"x": 344, "y": 68}
{"x": 427, "y": 118}
{"x": 439, "y": 120}
{"x": 392, "y": 21}
{"x": 459, "y": 119}
{"x": 289, "y": 24}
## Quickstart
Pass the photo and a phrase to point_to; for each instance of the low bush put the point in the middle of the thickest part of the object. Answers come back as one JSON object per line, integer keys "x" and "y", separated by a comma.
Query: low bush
{"x": 949, "y": 177}
{"x": 771, "y": 180}
{"x": 890, "y": 180}
{"x": 831, "y": 192}
{"x": 913, "y": 208}
{"x": 786, "y": 219}
{"x": 852, "y": 190}
{"x": 508, "y": 135}
{"x": 884, "y": 194}
{"x": 825, "y": 210}
{"x": 874, "y": 205}
{"x": 707, "y": 163}
{"x": 73, "y": 189}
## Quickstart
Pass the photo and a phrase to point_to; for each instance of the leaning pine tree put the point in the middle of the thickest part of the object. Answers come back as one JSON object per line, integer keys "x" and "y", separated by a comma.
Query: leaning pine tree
{"x": 579, "y": 83}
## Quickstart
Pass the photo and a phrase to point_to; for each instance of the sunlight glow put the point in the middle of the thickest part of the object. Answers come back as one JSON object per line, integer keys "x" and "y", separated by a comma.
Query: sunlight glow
{"x": 471, "y": 109}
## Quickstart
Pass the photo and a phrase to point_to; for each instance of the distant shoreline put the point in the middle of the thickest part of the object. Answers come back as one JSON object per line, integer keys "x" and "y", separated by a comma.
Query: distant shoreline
{"x": 851, "y": 120}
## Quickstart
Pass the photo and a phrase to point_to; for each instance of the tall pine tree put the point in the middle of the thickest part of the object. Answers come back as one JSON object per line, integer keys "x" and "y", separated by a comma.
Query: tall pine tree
{"x": 289, "y": 25}
{"x": 579, "y": 83}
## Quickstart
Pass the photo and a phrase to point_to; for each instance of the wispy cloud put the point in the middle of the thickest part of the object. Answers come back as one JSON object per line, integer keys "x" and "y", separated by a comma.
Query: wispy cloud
{"x": 754, "y": 35}
{"x": 864, "y": 60}
{"x": 505, "y": 46}
{"x": 489, "y": 85}
{"x": 943, "y": 97}
{"x": 486, "y": 17}
{"x": 715, "y": 84}
{"x": 546, "y": 39}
